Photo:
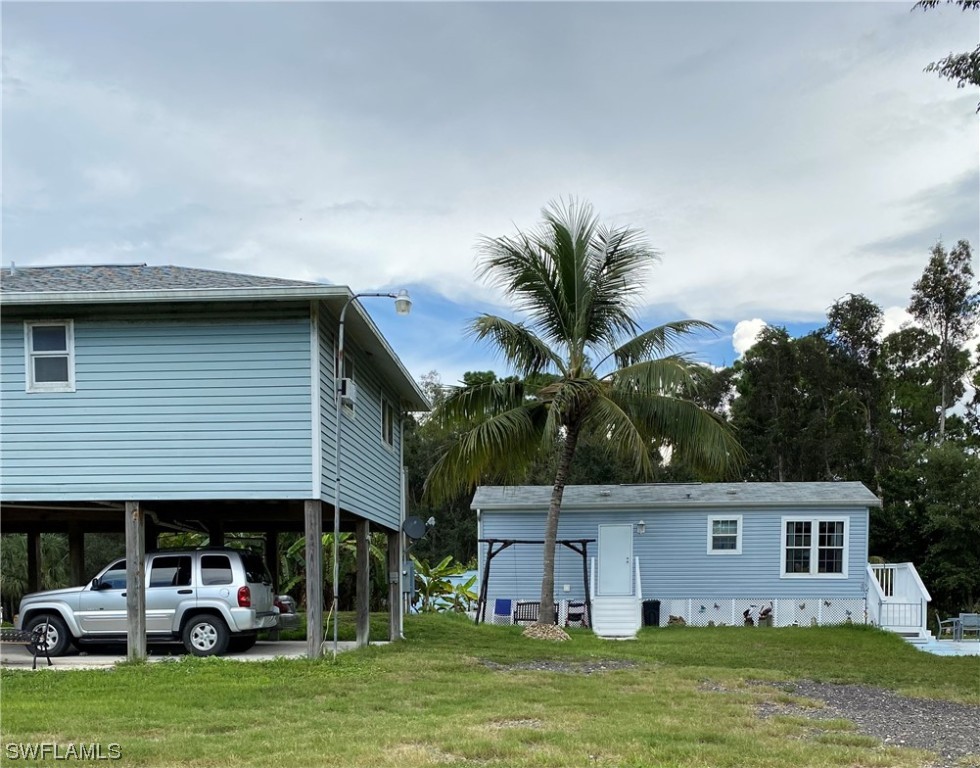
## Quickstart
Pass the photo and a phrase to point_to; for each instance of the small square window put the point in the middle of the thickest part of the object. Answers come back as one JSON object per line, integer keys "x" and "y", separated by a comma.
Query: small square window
{"x": 725, "y": 535}
{"x": 49, "y": 348}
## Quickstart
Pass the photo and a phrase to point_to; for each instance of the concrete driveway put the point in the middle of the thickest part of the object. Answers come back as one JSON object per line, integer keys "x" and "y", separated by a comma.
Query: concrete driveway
{"x": 16, "y": 656}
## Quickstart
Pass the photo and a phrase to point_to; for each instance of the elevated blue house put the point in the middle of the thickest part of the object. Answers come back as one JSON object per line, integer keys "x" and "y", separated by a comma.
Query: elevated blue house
{"x": 148, "y": 398}
{"x": 707, "y": 553}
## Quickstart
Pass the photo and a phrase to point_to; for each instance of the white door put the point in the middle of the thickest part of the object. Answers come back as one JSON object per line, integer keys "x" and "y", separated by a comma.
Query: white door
{"x": 615, "y": 560}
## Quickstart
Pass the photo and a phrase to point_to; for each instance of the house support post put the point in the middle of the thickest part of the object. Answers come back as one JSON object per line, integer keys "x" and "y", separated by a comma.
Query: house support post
{"x": 313, "y": 515}
{"x": 363, "y": 535}
{"x": 216, "y": 534}
{"x": 152, "y": 535}
{"x": 76, "y": 555}
{"x": 135, "y": 592}
{"x": 394, "y": 585}
{"x": 272, "y": 557}
{"x": 33, "y": 561}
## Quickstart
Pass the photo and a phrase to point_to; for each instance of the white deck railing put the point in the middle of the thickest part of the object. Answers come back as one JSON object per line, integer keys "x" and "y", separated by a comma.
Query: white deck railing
{"x": 896, "y": 597}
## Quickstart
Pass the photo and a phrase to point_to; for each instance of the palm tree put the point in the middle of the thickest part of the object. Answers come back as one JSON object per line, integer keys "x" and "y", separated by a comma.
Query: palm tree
{"x": 576, "y": 282}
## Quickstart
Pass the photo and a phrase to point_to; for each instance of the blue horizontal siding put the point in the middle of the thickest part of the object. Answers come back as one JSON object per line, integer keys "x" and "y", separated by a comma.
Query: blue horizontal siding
{"x": 673, "y": 554}
{"x": 370, "y": 469}
{"x": 198, "y": 404}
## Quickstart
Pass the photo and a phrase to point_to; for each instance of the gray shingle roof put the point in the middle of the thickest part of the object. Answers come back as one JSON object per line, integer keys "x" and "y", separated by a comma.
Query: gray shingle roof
{"x": 130, "y": 277}
{"x": 678, "y": 495}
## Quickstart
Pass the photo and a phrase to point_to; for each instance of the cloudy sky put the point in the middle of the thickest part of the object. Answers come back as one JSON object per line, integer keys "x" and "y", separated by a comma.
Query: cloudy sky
{"x": 778, "y": 155}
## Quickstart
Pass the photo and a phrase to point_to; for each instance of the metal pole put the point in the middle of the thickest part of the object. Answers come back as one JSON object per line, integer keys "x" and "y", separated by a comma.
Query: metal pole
{"x": 338, "y": 376}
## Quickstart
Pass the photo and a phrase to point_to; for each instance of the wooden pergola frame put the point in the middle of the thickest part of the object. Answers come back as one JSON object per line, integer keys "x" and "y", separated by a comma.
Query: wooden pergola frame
{"x": 579, "y": 546}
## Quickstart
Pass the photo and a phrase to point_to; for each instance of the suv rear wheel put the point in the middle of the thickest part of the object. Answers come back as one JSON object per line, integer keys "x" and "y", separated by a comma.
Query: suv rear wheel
{"x": 205, "y": 635}
{"x": 57, "y": 638}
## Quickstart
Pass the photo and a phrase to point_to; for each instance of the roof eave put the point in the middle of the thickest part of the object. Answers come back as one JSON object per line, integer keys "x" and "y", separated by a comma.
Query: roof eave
{"x": 267, "y": 293}
{"x": 693, "y": 503}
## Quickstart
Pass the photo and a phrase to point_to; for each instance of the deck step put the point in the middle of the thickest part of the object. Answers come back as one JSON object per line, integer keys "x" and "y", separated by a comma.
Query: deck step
{"x": 616, "y": 618}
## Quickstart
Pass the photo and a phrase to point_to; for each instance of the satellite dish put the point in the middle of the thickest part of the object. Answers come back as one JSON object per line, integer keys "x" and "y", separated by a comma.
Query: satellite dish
{"x": 414, "y": 527}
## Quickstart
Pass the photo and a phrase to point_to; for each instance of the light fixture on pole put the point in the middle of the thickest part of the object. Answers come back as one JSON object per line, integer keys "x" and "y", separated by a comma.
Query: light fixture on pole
{"x": 403, "y": 305}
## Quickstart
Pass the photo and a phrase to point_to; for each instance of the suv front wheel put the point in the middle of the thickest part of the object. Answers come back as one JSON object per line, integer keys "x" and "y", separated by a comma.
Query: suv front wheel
{"x": 205, "y": 635}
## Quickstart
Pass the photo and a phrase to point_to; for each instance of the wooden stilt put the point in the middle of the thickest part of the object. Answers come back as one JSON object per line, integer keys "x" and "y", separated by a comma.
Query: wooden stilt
{"x": 135, "y": 593}
{"x": 313, "y": 514}
{"x": 33, "y": 561}
{"x": 363, "y": 599}
{"x": 76, "y": 555}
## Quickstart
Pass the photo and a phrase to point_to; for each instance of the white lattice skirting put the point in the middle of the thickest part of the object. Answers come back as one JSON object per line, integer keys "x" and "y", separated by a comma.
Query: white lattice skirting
{"x": 786, "y": 612}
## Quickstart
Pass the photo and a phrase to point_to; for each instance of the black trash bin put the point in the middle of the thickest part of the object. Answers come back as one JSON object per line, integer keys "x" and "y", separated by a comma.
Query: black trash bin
{"x": 651, "y": 613}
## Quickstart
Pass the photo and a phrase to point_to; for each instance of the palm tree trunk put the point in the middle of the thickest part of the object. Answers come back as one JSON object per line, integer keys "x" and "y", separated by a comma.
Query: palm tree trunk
{"x": 546, "y": 611}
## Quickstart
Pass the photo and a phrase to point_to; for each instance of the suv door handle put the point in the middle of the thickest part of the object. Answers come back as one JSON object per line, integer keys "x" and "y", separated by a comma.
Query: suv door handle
{"x": 123, "y": 594}
{"x": 185, "y": 591}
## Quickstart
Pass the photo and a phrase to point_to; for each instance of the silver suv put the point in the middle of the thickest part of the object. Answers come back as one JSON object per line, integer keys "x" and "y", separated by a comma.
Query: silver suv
{"x": 212, "y": 600}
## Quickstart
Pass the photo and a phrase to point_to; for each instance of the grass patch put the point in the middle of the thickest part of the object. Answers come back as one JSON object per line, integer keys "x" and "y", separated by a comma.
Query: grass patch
{"x": 346, "y": 627}
{"x": 458, "y": 694}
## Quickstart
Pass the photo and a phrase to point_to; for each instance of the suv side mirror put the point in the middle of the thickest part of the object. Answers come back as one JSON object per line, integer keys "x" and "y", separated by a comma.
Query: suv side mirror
{"x": 96, "y": 584}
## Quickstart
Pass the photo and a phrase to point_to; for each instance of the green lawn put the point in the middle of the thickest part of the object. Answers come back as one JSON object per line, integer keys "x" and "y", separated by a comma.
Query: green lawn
{"x": 434, "y": 700}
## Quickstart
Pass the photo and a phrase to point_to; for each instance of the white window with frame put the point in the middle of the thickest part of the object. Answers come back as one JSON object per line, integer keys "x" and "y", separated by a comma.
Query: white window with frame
{"x": 387, "y": 423}
{"x": 49, "y": 347}
{"x": 725, "y": 535}
{"x": 814, "y": 547}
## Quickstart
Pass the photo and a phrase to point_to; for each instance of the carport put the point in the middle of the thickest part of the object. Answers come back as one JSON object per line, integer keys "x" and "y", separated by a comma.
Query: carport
{"x": 143, "y": 521}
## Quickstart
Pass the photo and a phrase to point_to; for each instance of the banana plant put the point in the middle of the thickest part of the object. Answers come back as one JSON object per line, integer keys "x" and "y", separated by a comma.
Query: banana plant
{"x": 463, "y": 596}
{"x": 432, "y": 582}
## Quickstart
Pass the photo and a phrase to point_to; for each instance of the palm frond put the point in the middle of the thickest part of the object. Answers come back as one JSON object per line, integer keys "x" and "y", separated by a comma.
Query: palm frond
{"x": 619, "y": 271}
{"x": 699, "y": 437}
{"x": 524, "y": 268}
{"x": 499, "y": 447}
{"x": 673, "y": 375}
{"x": 655, "y": 342}
{"x": 573, "y": 278}
{"x": 465, "y": 405}
{"x": 519, "y": 346}
{"x": 608, "y": 420}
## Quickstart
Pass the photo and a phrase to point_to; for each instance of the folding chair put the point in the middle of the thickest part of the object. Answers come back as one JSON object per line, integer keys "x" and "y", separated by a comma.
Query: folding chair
{"x": 951, "y": 626}
{"x": 501, "y": 610}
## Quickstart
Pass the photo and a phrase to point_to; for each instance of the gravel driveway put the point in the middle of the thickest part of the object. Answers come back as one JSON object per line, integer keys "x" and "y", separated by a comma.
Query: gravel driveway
{"x": 952, "y": 730}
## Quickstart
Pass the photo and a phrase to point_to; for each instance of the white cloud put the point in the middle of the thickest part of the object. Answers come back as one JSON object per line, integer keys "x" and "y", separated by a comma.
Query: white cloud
{"x": 109, "y": 181}
{"x": 350, "y": 152}
{"x": 894, "y": 319}
{"x": 746, "y": 334}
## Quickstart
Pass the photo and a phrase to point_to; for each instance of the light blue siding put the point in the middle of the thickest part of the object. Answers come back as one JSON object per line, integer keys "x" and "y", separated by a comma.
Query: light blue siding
{"x": 185, "y": 403}
{"x": 370, "y": 468}
{"x": 673, "y": 554}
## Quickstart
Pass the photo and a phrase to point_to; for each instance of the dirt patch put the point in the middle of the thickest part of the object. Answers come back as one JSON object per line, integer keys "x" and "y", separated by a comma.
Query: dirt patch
{"x": 528, "y": 722}
{"x": 564, "y": 667}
